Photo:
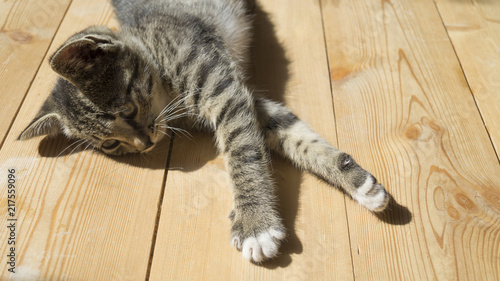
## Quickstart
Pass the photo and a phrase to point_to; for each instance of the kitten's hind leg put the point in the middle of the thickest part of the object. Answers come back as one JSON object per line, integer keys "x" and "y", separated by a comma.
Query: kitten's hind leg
{"x": 295, "y": 140}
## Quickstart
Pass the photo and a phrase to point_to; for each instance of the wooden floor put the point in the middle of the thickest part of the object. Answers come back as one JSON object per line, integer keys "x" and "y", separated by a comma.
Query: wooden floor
{"x": 410, "y": 88}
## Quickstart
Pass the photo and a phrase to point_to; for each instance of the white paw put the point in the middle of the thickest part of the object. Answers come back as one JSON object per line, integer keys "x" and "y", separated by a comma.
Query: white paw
{"x": 263, "y": 246}
{"x": 371, "y": 195}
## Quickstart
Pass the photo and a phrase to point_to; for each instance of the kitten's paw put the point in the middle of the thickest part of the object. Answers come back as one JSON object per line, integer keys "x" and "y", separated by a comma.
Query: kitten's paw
{"x": 372, "y": 195}
{"x": 257, "y": 248}
{"x": 258, "y": 237}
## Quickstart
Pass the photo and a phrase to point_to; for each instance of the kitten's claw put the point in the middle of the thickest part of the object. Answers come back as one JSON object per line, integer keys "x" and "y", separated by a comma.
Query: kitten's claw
{"x": 372, "y": 195}
{"x": 263, "y": 246}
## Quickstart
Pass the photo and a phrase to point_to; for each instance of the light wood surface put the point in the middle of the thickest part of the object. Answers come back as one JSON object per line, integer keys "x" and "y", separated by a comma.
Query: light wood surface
{"x": 422, "y": 135}
{"x": 474, "y": 29}
{"x": 80, "y": 215}
{"x": 382, "y": 80}
{"x": 27, "y": 29}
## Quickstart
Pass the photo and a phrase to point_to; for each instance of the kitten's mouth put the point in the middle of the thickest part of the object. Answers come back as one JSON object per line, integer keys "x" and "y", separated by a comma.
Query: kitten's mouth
{"x": 148, "y": 149}
{"x": 150, "y": 146}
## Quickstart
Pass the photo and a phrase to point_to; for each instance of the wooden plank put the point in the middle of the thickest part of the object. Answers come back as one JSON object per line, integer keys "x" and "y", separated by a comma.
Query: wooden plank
{"x": 474, "y": 30}
{"x": 27, "y": 29}
{"x": 404, "y": 109}
{"x": 194, "y": 231}
{"x": 82, "y": 215}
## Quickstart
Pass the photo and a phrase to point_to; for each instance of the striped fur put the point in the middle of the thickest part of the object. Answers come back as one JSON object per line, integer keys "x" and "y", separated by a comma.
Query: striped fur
{"x": 178, "y": 64}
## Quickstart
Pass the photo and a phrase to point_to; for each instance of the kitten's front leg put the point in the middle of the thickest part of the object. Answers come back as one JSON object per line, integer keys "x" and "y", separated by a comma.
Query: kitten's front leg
{"x": 257, "y": 229}
{"x": 295, "y": 140}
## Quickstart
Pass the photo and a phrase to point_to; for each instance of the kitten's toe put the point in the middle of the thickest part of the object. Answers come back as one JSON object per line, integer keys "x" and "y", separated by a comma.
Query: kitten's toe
{"x": 263, "y": 246}
{"x": 252, "y": 250}
{"x": 372, "y": 195}
{"x": 236, "y": 242}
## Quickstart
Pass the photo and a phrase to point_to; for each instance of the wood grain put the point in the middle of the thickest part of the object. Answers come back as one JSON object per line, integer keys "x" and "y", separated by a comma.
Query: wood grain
{"x": 474, "y": 30}
{"x": 404, "y": 109}
{"x": 81, "y": 215}
{"x": 27, "y": 28}
{"x": 400, "y": 105}
{"x": 193, "y": 237}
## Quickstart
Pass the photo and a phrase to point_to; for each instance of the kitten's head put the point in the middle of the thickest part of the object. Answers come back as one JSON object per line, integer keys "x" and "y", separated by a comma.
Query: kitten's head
{"x": 110, "y": 94}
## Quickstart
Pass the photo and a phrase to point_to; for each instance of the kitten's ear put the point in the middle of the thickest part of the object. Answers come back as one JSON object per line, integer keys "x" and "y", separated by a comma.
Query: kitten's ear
{"x": 45, "y": 123}
{"x": 86, "y": 54}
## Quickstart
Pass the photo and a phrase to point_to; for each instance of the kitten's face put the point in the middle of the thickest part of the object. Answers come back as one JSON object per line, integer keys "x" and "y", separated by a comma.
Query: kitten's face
{"x": 132, "y": 123}
{"x": 111, "y": 95}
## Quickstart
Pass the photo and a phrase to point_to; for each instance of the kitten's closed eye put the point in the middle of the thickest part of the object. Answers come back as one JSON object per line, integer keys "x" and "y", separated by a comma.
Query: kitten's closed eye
{"x": 110, "y": 144}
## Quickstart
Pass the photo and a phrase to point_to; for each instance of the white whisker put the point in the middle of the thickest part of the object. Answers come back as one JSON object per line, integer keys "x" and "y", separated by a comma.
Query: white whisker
{"x": 165, "y": 133}
{"x": 90, "y": 144}
{"x": 80, "y": 144}
{"x": 75, "y": 142}
{"x": 174, "y": 103}
{"x": 174, "y": 113}
{"x": 185, "y": 134}
{"x": 144, "y": 156}
{"x": 178, "y": 130}
{"x": 173, "y": 117}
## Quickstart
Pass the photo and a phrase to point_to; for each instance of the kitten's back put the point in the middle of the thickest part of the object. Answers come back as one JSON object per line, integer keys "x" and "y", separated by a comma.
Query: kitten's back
{"x": 229, "y": 18}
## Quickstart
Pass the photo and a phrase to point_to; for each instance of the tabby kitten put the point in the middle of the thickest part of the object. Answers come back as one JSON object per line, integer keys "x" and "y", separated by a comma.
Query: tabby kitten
{"x": 178, "y": 64}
